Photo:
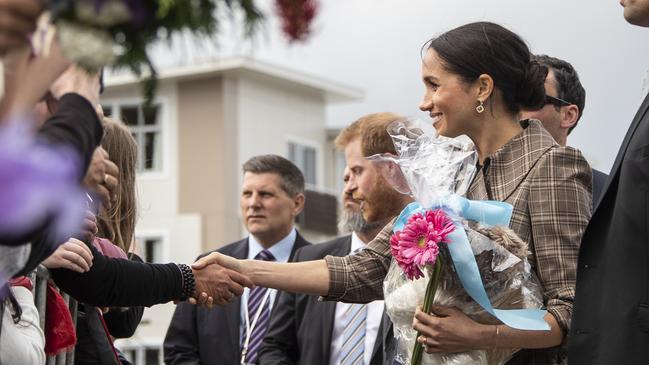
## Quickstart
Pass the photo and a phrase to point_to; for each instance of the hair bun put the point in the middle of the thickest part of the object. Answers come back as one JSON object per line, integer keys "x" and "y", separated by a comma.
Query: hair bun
{"x": 531, "y": 90}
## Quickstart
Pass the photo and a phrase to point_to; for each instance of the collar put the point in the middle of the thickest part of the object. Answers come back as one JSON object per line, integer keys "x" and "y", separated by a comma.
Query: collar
{"x": 357, "y": 244}
{"x": 280, "y": 249}
{"x": 506, "y": 168}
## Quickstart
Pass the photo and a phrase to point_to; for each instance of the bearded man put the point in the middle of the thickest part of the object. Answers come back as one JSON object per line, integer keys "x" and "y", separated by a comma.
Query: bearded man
{"x": 306, "y": 330}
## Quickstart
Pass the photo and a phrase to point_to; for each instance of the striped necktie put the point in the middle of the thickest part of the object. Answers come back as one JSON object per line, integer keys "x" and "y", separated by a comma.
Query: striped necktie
{"x": 353, "y": 347}
{"x": 254, "y": 303}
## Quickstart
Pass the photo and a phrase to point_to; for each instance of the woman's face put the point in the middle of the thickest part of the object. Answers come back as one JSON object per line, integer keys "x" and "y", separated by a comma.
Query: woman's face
{"x": 449, "y": 101}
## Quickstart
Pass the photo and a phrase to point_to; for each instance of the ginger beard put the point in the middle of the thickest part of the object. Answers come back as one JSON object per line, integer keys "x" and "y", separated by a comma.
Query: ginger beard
{"x": 381, "y": 203}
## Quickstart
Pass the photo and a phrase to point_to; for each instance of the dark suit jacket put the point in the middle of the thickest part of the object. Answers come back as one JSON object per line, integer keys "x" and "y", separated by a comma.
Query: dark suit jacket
{"x": 610, "y": 323}
{"x": 199, "y": 335}
{"x": 301, "y": 326}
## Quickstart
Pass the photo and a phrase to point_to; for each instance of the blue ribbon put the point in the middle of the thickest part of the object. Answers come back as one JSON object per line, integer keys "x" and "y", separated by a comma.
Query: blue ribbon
{"x": 490, "y": 213}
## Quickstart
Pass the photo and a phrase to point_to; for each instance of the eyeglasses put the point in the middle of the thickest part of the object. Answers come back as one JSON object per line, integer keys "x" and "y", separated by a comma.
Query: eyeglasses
{"x": 556, "y": 101}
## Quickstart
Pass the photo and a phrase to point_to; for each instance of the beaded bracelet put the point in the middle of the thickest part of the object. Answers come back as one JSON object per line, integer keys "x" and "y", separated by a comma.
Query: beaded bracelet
{"x": 188, "y": 284}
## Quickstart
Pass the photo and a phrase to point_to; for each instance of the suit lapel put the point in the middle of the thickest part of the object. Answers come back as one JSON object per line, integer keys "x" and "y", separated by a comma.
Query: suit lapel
{"x": 478, "y": 190}
{"x": 509, "y": 166}
{"x": 642, "y": 111}
{"x": 233, "y": 310}
{"x": 299, "y": 243}
{"x": 344, "y": 249}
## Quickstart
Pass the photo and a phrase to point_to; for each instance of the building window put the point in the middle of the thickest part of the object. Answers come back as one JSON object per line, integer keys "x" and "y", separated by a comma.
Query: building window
{"x": 145, "y": 128}
{"x": 151, "y": 356}
{"x": 150, "y": 248}
{"x": 304, "y": 157}
{"x": 142, "y": 354}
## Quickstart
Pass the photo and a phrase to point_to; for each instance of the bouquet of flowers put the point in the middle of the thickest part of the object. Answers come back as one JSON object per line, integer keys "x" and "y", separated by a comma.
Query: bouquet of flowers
{"x": 451, "y": 251}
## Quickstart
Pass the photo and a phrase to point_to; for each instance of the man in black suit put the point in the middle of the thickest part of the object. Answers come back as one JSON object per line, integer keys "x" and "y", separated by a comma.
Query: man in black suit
{"x": 272, "y": 196}
{"x": 564, "y": 104}
{"x": 610, "y": 322}
{"x": 305, "y": 330}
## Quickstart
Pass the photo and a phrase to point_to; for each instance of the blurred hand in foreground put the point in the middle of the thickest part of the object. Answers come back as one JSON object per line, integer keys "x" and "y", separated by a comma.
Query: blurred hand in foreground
{"x": 17, "y": 21}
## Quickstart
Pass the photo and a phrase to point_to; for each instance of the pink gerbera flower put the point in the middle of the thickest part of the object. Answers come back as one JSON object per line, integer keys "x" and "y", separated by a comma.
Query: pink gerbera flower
{"x": 418, "y": 243}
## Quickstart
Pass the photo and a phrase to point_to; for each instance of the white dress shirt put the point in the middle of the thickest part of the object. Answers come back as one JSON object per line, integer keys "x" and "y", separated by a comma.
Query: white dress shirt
{"x": 282, "y": 252}
{"x": 372, "y": 323}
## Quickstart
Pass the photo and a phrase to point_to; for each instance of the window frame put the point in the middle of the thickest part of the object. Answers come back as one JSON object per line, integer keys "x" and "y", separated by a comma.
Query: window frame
{"x": 140, "y": 347}
{"x": 162, "y": 234}
{"x": 163, "y": 127}
{"x": 319, "y": 168}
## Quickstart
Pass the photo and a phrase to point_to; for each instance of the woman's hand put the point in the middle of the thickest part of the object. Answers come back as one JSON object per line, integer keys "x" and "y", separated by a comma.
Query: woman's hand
{"x": 451, "y": 331}
{"x": 223, "y": 260}
{"x": 73, "y": 255}
{"x": 89, "y": 227}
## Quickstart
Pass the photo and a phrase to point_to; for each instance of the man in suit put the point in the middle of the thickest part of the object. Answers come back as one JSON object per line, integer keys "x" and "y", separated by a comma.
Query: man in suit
{"x": 610, "y": 322}
{"x": 305, "y": 330}
{"x": 565, "y": 99}
{"x": 272, "y": 195}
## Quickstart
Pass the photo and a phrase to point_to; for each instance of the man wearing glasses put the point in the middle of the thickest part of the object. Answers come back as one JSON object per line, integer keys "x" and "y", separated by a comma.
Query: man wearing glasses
{"x": 564, "y": 105}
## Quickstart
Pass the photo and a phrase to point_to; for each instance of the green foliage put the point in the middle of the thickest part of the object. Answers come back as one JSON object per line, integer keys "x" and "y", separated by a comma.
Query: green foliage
{"x": 156, "y": 18}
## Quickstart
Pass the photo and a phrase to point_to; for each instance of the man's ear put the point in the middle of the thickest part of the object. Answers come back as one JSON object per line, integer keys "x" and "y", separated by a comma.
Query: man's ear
{"x": 569, "y": 116}
{"x": 298, "y": 202}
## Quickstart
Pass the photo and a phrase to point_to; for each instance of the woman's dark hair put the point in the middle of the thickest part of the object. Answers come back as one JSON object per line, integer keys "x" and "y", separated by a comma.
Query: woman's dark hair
{"x": 487, "y": 48}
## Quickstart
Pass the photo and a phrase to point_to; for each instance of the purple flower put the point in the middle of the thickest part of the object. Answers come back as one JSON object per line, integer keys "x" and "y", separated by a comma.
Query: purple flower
{"x": 38, "y": 185}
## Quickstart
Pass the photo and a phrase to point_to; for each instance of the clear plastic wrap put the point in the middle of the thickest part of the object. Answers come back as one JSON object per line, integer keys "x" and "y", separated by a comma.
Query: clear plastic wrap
{"x": 433, "y": 169}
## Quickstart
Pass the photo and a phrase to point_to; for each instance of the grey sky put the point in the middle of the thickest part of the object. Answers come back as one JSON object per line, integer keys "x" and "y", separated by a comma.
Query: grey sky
{"x": 374, "y": 45}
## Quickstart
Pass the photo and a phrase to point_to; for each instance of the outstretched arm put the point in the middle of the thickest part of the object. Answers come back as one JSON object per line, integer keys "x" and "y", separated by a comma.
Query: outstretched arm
{"x": 309, "y": 277}
{"x": 355, "y": 278}
{"x": 123, "y": 283}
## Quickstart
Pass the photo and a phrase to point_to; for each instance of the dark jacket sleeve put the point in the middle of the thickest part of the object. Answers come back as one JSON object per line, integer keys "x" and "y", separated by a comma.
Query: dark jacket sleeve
{"x": 181, "y": 342}
{"x": 122, "y": 322}
{"x": 75, "y": 124}
{"x": 121, "y": 283}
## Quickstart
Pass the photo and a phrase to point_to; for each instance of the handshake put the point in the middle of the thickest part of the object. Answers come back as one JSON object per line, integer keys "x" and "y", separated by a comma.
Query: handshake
{"x": 219, "y": 279}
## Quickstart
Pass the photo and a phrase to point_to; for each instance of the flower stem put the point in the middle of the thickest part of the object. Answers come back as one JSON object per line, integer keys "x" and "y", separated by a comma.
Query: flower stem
{"x": 431, "y": 289}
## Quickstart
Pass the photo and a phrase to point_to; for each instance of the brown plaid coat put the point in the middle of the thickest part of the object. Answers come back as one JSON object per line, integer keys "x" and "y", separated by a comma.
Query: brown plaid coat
{"x": 550, "y": 189}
